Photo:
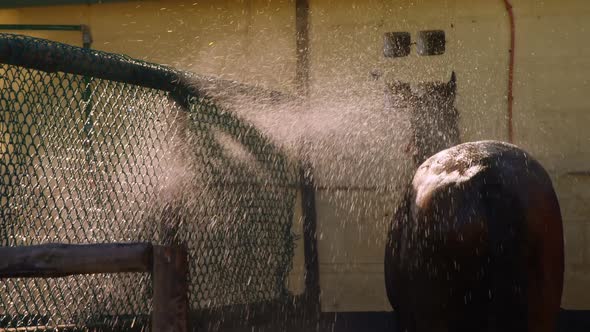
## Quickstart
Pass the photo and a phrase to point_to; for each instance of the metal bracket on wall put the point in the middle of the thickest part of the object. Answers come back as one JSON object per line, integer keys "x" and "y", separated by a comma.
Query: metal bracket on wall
{"x": 33, "y": 3}
{"x": 431, "y": 42}
{"x": 86, "y": 35}
{"x": 396, "y": 44}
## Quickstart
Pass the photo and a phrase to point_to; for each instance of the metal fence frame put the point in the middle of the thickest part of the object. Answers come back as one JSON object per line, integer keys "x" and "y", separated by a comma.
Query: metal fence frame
{"x": 183, "y": 88}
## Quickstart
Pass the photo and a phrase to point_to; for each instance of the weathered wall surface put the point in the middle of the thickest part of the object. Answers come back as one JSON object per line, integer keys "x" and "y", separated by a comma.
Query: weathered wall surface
{"x": 254, "y": 41}
{"x": 250, "y": 41}
{"x": 551, "y": 114}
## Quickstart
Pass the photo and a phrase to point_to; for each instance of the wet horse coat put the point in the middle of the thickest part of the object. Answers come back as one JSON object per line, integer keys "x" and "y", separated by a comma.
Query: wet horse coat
{"x": 477, "y": 244}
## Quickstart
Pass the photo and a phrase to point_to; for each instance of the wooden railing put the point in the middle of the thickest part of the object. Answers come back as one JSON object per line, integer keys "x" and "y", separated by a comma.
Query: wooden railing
{"x": 167, "y": 264}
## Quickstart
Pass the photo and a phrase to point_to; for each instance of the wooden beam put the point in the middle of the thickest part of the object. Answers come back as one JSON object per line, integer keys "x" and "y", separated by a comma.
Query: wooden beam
{"x": 60, "y": 260}
{"x": 170, "y": 285}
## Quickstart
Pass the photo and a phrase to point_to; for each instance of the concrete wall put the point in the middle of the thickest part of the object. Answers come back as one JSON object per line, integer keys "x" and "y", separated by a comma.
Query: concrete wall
{"x": 551, "y": 114}
{"x": 253, "y": 41}
{"x": 249, "y": 40}
{"x": 552, "y": 117}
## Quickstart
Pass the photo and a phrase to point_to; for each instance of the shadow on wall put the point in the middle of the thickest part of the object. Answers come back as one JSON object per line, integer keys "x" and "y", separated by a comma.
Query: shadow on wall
{"x": 434, "y": 120}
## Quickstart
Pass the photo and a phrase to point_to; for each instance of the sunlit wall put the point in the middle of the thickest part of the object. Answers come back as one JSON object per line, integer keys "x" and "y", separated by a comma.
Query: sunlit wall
{"x": 254, "y": 41}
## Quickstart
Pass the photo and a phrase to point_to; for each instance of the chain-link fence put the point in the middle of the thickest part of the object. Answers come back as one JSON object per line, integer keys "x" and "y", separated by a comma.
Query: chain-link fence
{"x": 99, "y": 148}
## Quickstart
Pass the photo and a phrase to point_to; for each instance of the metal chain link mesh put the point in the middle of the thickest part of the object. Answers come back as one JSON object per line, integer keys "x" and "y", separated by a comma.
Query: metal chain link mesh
{"x": 92, "y": 160}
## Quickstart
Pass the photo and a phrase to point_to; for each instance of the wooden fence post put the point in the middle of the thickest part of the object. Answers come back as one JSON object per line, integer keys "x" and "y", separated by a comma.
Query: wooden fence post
{"x": 170, "y": 287}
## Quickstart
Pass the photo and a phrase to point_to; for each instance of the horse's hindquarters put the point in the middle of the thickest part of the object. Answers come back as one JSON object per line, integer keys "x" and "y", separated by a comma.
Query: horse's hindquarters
{"x": 478, "y": 244}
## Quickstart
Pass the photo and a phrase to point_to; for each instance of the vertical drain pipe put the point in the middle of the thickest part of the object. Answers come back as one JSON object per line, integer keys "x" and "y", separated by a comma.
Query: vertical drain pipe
{"x": 311, "y": 295}
{"x": 511, "y": 69}
{"x": 312, "y": 291}
{"x": 302, "y": 47}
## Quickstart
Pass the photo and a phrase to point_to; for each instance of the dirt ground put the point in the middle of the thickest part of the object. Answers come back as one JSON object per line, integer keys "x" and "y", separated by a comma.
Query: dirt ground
{"x": 569, "y": 321}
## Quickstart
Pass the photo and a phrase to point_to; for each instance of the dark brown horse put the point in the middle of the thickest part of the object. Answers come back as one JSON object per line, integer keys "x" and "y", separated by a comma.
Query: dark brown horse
{"x": 477, "y": 244}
